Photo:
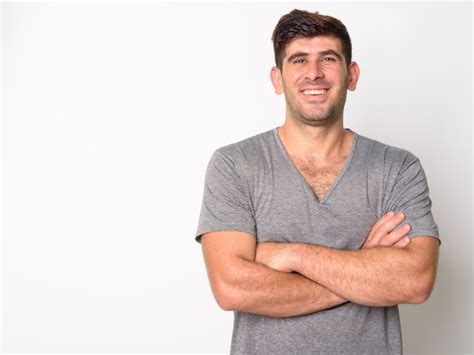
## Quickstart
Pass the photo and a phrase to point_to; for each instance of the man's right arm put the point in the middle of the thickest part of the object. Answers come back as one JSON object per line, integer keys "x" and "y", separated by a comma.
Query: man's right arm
{"x": 241, "y": 284}
{"x": 238, "y": 282}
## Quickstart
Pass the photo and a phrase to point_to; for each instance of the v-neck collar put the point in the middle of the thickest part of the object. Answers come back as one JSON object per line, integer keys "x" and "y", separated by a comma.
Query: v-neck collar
{"x": 295, "y": 169}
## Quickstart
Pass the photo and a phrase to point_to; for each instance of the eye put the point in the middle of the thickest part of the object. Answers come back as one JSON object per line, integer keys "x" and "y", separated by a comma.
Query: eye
{"x": 299, "y": 60}
{"x": 328, "y": 59}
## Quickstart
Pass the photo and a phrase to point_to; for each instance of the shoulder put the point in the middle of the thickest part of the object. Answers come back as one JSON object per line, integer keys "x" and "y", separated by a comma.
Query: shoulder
{"x": 387, "y": 156}
{"x": 248, "y": 145}
{"x": 246, "y": 153}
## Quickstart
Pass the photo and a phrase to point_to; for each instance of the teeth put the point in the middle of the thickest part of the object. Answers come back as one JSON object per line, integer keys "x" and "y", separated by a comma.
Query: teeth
{"x": 314, "y": 92}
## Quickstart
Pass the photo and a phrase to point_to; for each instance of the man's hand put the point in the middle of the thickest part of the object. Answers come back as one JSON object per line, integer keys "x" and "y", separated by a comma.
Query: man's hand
{"x": 387, "y": 270}
{"x": 274, "y": 255}
{"x": 383, "y": 233}
{"x": 241, "y": 284}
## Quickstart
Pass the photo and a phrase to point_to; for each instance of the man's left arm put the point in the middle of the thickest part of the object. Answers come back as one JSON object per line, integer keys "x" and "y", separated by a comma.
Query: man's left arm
{"x": 378, "y": 276}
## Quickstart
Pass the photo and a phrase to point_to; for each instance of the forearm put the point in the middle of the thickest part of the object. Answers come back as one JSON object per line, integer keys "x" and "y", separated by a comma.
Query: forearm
{"x": 256, "y": 288}
{"x": 381, "y": 276}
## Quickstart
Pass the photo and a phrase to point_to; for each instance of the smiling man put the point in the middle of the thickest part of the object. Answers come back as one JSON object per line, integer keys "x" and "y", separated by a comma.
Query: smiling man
{"x": 311, "y": 233}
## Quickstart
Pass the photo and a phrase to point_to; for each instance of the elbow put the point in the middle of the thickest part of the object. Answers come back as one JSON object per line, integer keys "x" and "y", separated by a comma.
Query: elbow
{"x": 422, "y": 289}
{"x": 226, "y": 297}
{"x": 420, "y": 297}
{"x": 228, "y": 289}
{"x": 224, "y": 301}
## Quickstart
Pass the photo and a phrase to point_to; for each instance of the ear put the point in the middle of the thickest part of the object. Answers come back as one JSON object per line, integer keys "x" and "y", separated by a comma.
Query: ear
{"x": 275, "y": 76}
{"x": 354, "y": 73}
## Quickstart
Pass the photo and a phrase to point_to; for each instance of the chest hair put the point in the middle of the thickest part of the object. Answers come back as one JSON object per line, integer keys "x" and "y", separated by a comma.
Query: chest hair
{"x": 320, "y": 176}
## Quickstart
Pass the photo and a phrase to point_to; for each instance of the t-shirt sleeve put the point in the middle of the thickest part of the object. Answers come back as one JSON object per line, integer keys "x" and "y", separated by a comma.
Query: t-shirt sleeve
{"x": 226, "y": 204}
{"x": 410, "y": 195}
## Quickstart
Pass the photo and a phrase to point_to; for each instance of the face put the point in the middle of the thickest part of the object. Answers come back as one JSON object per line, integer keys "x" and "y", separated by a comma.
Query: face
{"x": 315, "y": 79}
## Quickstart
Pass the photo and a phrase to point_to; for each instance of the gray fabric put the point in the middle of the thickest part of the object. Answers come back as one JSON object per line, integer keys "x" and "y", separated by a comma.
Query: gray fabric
{"x": 254, "y": 187}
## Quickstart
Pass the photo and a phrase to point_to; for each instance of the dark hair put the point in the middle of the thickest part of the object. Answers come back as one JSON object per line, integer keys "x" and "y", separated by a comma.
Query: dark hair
{"x": 300, "y": 23}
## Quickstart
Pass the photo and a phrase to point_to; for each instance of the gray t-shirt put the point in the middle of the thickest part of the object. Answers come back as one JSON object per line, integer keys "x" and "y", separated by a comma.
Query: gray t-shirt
{"x": 253, "y": 186}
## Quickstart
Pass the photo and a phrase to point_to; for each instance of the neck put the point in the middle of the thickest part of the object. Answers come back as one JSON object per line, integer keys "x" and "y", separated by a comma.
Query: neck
{"x": 322, "y": 143}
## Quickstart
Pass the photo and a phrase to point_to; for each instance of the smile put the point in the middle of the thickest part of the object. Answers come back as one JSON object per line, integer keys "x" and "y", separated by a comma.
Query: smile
{"x": 314, "y": 92}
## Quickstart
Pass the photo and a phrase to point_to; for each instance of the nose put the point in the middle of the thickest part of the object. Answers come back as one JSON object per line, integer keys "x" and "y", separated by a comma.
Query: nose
{"x": 314, "y": 71}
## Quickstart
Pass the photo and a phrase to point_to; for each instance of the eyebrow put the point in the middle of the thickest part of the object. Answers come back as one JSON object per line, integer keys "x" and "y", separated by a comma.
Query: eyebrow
{"x": 331, "y": 52}
{"x": 297, "y": 55}
{"x": 322, "y": 53}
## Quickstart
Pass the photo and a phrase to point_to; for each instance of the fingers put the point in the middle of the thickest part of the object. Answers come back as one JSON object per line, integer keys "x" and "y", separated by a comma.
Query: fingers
{"x": 395, "y": 236}
{"x": 402, "y": 243}
{"x": 382, "y": 220}
{"x": 383, "y": 232}
{"x": 370, "y": 238}
{"x": 388, "y": 226}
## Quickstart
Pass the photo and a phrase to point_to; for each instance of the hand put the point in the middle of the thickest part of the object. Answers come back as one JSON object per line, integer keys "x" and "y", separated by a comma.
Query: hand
{"x": 274, "y": 255}
{"x": 383, "y": 232}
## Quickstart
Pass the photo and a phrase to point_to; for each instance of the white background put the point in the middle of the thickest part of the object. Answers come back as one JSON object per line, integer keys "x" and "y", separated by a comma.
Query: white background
{"x": 110, "y": 115}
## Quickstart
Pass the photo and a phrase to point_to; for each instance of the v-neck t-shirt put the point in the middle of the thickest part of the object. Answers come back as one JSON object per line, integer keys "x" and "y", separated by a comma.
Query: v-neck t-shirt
{"x": 253, "y": 186}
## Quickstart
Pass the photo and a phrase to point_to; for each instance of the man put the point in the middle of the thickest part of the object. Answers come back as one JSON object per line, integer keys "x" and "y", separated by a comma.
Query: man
{"x": 311, "y": 233}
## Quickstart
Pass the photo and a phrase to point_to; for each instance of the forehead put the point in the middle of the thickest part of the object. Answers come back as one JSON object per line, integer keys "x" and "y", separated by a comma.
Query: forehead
{"x": 313, "y": 45}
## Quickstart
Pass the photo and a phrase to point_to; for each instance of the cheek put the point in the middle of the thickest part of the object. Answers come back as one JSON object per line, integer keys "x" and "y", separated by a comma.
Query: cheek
{"x": 293, "y": 76}
{"x": 297, "y": 75}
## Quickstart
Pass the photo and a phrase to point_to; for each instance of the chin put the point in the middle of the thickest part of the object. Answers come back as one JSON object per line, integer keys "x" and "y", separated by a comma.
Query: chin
{"x": 317, "y": 123}
{"x": 318, "y": 120}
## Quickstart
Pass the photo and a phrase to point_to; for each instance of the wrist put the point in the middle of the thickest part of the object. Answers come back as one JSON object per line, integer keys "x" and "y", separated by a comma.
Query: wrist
{"x": 295, "y": 255}
{"x": 305, "y": 257}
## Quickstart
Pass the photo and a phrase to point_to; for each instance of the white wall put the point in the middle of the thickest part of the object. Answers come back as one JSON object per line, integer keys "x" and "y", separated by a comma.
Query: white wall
{"x": 110, "y": 114}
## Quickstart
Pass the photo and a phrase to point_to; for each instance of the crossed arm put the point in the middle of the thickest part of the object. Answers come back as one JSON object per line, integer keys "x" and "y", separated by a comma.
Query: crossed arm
{"x": 240, "y": 283}
{"x": 289, "y": 279}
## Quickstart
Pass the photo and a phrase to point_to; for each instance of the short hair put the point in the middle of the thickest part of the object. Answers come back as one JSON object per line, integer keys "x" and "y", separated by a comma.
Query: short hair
{"x": 300, "y": 23}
